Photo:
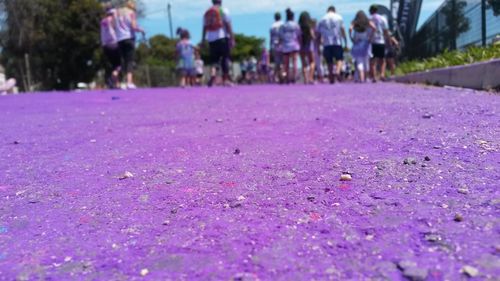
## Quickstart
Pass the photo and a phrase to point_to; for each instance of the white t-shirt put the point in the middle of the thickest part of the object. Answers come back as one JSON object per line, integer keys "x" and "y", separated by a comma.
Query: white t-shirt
{"x": 124, "y": 18}
{"x": 275, "y": 35}
{"x": 2, "y": 80}
{"x": 198, "y": 64}
{"x": 330, "y": 27}
{"x": 221, "y": 33}
{"x": 381, "y": 26}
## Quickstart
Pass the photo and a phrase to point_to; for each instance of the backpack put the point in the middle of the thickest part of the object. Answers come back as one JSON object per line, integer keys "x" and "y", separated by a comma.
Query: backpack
{"x": 214, "y": 19}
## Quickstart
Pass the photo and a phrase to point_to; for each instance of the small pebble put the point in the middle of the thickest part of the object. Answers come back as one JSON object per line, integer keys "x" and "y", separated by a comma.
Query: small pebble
{"x": 427, "y": 158}
{"x": 463, "y": 190}
{"x": 432, "y": 237}
{"x": 427, "y": 116}
{"x": 16, "y": 142}
{"x": 346, "y": 177}
{"x": 237, "y": 151}
{"x": 410, "y": 161}
{"x": 416, "y": 273}
{"x": 126, "y": 175}
{"x": 406, "y": 264}
{"x": 470, "y": 271}
{"x": 144, "y": 272}
{"x": 93, "y": 141}
{"x": 458, "y": 218}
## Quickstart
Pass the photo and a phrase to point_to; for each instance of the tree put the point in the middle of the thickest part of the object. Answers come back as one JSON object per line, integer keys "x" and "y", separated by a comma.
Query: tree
{"x": 495, "y": 5}
{"x": 457, "y": 22}
{"x": 156, "y": 62}
{"x": 57, "y": 42}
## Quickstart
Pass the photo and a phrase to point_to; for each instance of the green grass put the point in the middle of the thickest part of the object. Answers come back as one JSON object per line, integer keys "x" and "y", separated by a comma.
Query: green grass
{"x": 450, "y": 58}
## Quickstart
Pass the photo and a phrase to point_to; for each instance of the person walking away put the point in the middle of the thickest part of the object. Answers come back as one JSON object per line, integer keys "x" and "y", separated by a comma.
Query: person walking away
{"x": 290, "y": 38}
{"x": 275, "y": 47}
{"x": 391, "y": 53}
{"x": 243, "y": 67}
{"x": 186, "y": 54}
{"x": 307, "y": 47}
{"x": 218, "y": 31}
{"x": 199, "y": 66}
{"x": 252, "y": 69}
{"x": 361, "y": 33}
{"x": 109, "y": 43}
{"x": 318, "y": 58}
{"x": 264, "y": 66}
{"x": 378, "y": 43}
{"x": 126, "y": 29}
{"x": 331, "y": 34}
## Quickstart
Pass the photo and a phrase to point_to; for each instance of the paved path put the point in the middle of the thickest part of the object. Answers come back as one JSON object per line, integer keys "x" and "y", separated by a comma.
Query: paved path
{"x": 244, "y": 183}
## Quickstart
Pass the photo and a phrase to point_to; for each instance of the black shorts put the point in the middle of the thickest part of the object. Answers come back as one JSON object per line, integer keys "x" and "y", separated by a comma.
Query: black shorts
{"x": 333, "y": 52}
{"x": 378, "y": 51}
{"x": 219, "y": 50}
{"x": 127, "y": 50}
{"x": 220, "y": 54}
{"x": 113, "y": 57}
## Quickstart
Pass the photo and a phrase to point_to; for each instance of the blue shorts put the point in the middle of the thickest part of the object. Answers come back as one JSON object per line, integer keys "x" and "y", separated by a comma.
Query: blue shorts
{"x": 188, "y": 72}
{"x": 277, "y": 57}
{"x": 333, "y": 52}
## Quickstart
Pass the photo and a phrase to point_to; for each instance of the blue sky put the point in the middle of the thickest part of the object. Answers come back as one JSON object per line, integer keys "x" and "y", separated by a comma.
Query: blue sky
{"x": 251, "y": 17}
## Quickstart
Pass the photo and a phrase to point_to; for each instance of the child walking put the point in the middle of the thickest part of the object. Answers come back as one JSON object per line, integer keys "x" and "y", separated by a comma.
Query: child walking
{"x": 186, "y": 54}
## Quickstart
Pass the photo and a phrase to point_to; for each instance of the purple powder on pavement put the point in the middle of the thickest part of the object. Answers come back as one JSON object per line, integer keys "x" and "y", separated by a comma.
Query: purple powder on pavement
{"x": 244, "y": 183}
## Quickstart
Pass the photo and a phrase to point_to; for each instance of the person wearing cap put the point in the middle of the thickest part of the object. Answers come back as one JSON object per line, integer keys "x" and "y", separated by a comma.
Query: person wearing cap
{"x": 378, "y": 43}
{"x": 110, "y": 49}
{"x": 126, "y": 29}
{"x": 331, "y": 34}
{"x": 218, "y": 32}
{"x": 275, "y": 48}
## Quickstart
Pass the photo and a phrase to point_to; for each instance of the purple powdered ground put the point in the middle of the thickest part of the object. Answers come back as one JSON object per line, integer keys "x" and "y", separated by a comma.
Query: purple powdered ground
{"x": 244, "y": 184}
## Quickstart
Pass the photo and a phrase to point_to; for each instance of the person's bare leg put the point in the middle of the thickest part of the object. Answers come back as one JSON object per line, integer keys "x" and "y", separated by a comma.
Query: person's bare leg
{"x": 183, "y": 81}
{"x": 373, "y": 70}
{"x": 312, "y": 67}
{"x": 382, "y": 68}
{"x": 331, "y": 75}
{"x": 286, "y": 61}
{"x": 338, "y": 71}
{"x": 392, "y": 66}
{"x": 295, "y": 67}
{"x": 303, "y": 59}
{"x": 130, "y": 78}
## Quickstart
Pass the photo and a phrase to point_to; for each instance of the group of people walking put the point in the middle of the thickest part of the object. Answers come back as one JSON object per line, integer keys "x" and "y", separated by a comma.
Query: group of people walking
{"x": 326, "y": 39}
{"x": 119, "y": 29}
{"x": 313, "y": 41}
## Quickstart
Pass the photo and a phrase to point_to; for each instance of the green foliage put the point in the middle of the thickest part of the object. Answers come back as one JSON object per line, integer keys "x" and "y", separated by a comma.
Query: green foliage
{"x": 60, "y": 38}
{"x": 451, "y": 58}
{"x": 247, "y": 46}
{"x": 158, "y": 51}
{"x": 495, "y": 5}
{"x": 156, "y": 61}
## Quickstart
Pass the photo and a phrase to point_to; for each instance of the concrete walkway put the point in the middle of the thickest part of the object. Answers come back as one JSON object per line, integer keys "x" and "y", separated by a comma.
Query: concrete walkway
{"x": 244, "y": 184}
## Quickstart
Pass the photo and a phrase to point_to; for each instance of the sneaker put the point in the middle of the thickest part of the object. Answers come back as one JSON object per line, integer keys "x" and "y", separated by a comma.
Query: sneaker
{"x": 131, "y": 86}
